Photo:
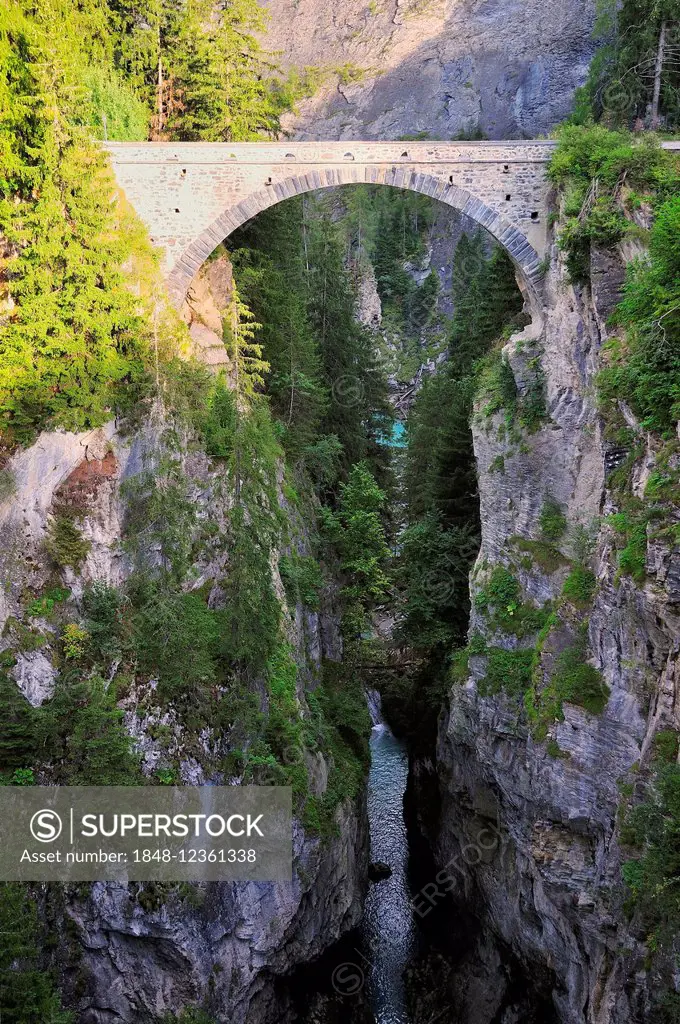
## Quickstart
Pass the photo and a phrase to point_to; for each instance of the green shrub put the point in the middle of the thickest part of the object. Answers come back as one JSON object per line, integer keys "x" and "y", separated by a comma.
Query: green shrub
{"x": 343, "y": 727}
{"x": 533, "y": 409}
{"x": 459, "y": 667}
{"x": 219, "y": 423}
{"x": 645, "y": 370}
{"x": 284, "y": 727}
{"x": 74, "y": 640}
{"x": 594, "y": 154}
{"x": 631, "y": 525}
{"x": 552, "y": 520}
{"x": 21, "y": 637}
{"x": 496, "y": 385}
{"x": 633, "y": 558}
{"x": 653, "y": 826}
{"x": 546, "y": 556}
{"x": 666, "y": 745}
{"x": 577, "y": 682}
{"x": 501, "y": 590}
{"x": 302, "y": 579}
{"x": 500, "y": 598}
{"x": 65, "y": 544}
{"x": 42, "y": 607}
{"x": 507, "y": 672}
{"x": 579, "y": 586}
{"x": 82, "y": 736}
{"x": 663, "y": 484}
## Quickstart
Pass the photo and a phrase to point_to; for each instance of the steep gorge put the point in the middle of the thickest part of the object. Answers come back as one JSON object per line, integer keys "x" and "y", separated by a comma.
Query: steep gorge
{"x": 527, "y": 831}
{"x": 202, "y": 518}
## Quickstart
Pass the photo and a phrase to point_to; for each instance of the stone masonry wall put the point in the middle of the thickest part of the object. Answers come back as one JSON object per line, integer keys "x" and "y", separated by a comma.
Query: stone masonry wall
{"x": 193, "y": 195}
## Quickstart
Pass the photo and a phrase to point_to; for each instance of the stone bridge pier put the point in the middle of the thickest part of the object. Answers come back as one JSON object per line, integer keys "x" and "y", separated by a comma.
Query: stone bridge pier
{"x": 192, "y": 196}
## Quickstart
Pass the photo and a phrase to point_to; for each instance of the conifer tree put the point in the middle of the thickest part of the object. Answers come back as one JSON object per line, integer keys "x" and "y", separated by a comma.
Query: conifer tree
{"x": 248, "y": 365}
{"x": 356, "y": 382}
{"x": 83, "y": 736}
{"x": 17, "y": 726}
{"x": 359, "y": 534}
{"x": 27, "y": 993}
{"x": 486, "y": 300}
{"x": 440, "y": 480}
{"x": 635, "y": 76}
{"x": 73, "y": 332}
{"x": 274, "y": 281}
{"x": 200, "y": 68}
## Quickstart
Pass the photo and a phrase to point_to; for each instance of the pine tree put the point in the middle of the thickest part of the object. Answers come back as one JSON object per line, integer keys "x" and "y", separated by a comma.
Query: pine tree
{"x": 468, "y": 260}
{"x": 439, "y": 474}
{"x": 200, "y": 67}
{"x": 17, "y": 727}
{"x": 27, "y": 993}
{"x": 74, "y": 335}
{"x": 440, "y": 479}
{"x": 636, "y": 74}
{"x": 249, "y": 598}
{"x": 359, "y": 535}
{"x": 486, "y": 301}
{"x": 82, "y": 735}
{"x": 273, "y": 278}
{"x": 351, "y": 372}
{"x": 248, "y": 366}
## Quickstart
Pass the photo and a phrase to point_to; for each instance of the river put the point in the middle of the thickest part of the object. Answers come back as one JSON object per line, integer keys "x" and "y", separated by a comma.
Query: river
{"x": 389, "y": 936}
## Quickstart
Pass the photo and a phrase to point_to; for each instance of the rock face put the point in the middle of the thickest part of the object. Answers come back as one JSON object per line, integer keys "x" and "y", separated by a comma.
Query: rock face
{"x": 528, "y": 825}
{"x": 144, "y": 952}
{"x": 227, "y": 943}
{"x": 207, "y": 299}
{"x": 438, "y": 67}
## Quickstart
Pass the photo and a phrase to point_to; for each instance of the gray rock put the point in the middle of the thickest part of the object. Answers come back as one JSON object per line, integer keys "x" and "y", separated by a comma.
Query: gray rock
{"x": 439, "y": 67}
{"x": 35, "y": 676}
{"x": 229, "y": 941}
{"x": 533, "y": 837}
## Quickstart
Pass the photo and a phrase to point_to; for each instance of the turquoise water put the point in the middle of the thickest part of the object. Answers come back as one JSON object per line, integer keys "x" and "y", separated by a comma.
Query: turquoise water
{"x": 396, "y": 438}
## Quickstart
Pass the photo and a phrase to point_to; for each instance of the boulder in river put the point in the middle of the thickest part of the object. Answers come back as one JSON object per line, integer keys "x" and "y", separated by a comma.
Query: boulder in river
{"x": 379, "y": 870}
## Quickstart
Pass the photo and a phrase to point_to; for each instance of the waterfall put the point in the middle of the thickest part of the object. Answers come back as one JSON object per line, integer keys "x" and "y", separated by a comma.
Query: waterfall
{"x": 374, "y": 702}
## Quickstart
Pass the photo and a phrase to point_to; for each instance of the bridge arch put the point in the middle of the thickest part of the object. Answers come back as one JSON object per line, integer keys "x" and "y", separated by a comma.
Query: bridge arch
{"x": 524, "y": 256}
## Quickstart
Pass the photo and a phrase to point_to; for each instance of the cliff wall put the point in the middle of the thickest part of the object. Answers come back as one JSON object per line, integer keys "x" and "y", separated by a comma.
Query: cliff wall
{"x": 132, "y": 954}
{"x": 532, "y": 791}
{"x": 438, "y": 67}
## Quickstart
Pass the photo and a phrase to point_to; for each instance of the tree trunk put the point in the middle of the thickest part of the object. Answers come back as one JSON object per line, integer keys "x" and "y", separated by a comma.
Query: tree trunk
{"x": 657, "y": 75}
{"x": 237, "y": 392}
{"x": 160, "y": 84}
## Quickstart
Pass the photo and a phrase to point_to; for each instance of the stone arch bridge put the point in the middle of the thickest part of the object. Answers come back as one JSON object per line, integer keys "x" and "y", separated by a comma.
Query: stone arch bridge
{"x": 191, "y": 196}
